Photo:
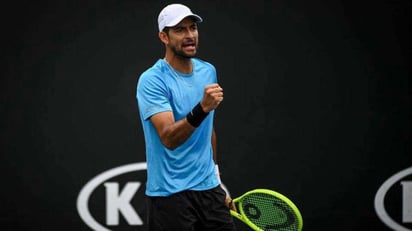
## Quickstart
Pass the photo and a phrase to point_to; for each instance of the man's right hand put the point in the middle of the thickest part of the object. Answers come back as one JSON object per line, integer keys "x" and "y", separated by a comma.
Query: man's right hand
{"x": 212, "y": 97}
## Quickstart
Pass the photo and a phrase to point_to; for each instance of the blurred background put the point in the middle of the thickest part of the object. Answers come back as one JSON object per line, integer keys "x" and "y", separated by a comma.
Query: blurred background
{"x": 317, "y": 106}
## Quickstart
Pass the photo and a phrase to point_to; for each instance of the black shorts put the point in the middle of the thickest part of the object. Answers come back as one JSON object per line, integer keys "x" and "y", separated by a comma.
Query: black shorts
{"x": 190, "y": 211}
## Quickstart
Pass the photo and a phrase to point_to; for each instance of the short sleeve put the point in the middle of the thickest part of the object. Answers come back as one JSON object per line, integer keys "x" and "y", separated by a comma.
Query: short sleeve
{"x": 152, "y": 96}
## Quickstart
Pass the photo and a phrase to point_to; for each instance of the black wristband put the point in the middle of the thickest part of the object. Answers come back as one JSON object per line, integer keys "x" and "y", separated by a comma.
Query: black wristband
{"x": 196, "y": 116}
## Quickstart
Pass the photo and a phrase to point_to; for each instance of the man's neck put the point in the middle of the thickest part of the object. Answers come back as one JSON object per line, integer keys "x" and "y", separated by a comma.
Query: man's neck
{"x": 183, "y": 65}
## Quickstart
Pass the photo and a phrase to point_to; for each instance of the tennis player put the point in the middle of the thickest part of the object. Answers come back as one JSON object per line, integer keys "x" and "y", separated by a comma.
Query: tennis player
{"x": 177, "y": 98}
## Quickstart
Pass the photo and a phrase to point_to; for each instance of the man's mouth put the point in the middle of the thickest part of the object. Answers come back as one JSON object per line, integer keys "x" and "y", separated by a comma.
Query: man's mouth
{"x": 189, "y": 45}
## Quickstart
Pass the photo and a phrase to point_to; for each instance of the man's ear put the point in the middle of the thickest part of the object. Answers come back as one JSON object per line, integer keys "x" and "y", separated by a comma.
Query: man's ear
{"x": 163, "y": 37}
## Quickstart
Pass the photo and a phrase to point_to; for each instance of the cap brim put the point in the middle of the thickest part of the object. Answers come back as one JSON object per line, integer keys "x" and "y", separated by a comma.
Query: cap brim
{"x": 179, "y": 19}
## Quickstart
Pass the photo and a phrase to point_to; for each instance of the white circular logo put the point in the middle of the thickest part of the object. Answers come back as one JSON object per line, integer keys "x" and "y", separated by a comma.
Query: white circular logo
{"x": 406, "y": 200}
{"x": 87, "y": 190}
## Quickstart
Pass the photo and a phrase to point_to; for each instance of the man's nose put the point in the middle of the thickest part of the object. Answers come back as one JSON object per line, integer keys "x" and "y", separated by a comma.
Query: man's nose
{"x": 189, "y": 33}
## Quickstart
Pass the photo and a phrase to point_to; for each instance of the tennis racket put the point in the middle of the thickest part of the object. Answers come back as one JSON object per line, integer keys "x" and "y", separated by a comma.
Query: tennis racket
{"x": 264, "y": 209}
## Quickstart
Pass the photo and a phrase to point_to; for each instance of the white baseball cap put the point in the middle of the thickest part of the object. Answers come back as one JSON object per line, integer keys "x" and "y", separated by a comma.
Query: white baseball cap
{"x": 172, "y": 14}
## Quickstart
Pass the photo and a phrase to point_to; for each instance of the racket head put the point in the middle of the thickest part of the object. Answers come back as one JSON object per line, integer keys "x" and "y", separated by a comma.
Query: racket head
{"x": 264, "y": 209}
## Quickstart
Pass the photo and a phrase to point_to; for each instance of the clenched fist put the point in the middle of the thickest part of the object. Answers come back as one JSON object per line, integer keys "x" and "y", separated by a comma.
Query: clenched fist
{"x": 212, "y": 97}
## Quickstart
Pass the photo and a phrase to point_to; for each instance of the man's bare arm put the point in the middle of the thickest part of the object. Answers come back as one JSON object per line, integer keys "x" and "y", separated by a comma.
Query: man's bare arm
{"x": 171, "y": 133}
{"x": 214, "y": 148}
{"x": 174, "y": 133}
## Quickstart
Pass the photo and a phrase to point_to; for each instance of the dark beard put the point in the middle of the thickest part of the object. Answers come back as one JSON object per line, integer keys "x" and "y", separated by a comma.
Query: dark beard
{"x": 181, "y": 54}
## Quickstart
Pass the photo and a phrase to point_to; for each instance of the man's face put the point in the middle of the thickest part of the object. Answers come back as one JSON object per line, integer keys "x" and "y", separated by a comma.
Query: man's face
{"x": 183, "y": 38}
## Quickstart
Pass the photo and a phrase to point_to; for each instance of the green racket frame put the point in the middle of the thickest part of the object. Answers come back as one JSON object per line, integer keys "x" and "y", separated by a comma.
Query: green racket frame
{"x": 241, "y": 215}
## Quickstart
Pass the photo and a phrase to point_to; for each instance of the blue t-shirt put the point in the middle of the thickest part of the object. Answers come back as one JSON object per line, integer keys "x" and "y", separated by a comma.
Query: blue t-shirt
{"x": 190, "y": 166}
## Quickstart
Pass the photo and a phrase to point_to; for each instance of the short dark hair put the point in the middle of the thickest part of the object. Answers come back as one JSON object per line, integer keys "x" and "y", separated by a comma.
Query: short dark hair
{"x": 166, "y": 30}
